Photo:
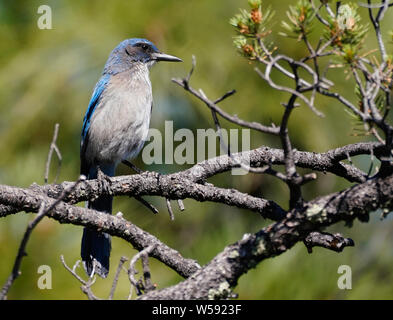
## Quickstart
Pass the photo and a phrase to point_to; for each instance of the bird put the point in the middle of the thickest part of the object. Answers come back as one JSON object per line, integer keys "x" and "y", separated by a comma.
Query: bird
{"x": 115, "y": 127}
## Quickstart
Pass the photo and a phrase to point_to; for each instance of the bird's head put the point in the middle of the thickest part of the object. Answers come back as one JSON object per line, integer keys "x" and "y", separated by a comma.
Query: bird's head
{"x": 135, "y": 51}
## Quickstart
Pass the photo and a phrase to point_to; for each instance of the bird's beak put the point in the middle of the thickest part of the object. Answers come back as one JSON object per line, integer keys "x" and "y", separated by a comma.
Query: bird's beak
{"x": 159, "y": 56}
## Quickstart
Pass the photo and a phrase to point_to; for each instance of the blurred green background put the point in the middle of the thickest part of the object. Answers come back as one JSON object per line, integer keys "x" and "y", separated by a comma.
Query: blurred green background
{"x": 47, "y": 77}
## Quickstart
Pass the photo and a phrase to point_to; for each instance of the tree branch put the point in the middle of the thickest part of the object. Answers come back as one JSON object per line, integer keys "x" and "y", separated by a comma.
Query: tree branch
{"x": 217, "y": 278}
{"x": 114, "y": 225}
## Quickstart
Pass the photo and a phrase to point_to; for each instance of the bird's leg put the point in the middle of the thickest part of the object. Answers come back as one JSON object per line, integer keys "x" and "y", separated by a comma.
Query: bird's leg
{"x": 104, "y": 180}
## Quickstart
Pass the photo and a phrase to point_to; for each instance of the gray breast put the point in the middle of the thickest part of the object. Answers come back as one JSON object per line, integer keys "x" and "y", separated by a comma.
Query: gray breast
{"x": 120, "y": 124}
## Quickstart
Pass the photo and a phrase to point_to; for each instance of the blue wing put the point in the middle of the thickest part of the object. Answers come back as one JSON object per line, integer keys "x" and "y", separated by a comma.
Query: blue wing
{"x": 95, "y": 98}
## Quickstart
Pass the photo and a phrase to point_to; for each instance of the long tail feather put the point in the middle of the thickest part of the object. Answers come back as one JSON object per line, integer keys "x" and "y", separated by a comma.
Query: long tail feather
{"x": 96, "y": 246}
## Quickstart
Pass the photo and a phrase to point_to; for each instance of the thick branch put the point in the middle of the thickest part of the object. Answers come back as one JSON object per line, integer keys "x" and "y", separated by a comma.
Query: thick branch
{"x": 324, "y": 162}
{"x": 215, "y": 280}
{"x": 114, "y": 225}
{"x": 150, "y": 183}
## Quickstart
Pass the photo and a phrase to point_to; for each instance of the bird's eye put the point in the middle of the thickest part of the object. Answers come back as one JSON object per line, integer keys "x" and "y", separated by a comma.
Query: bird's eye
{"x": 145, "y": 47}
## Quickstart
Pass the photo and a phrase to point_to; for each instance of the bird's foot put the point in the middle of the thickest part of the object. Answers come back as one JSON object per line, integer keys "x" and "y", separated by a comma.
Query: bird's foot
{"x": 104, "y": 180}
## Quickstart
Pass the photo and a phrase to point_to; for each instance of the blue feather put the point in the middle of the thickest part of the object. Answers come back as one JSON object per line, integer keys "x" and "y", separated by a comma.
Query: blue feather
{"x": 98, "y": 90}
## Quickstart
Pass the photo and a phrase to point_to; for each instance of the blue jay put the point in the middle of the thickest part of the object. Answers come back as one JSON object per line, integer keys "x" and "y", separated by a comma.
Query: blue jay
{"x": 115, "y": 128}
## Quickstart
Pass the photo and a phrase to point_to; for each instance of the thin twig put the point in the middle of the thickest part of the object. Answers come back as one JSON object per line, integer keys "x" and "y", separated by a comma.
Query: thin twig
{"x": 376, "y": 24}
{"x": 223, "y": 144}
{"x": 116, "y": 279}
{"x": 149, "y": 286}
{"x": 293, "y": 179}
{"x": 86, "y": 285}
{"x": 147, "y": 204}
{"x": 132, "y": 166}
{"x": 234, "y": 119}
{"x": 53, "y": 147}
{"x": 180, "y": 203}
{"x": 22, "y": 247}
{"x": 374, "y": 5}
{"x": 143, "y": 201}
{"x": 335, "y": 242}
{"x": 170, "y": 211}
{"x": 136, "y": 284}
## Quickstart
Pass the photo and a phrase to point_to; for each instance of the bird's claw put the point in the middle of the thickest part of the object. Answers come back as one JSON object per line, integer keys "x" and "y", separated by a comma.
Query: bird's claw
{"x": 104, "y": 180}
